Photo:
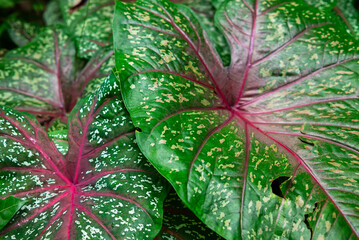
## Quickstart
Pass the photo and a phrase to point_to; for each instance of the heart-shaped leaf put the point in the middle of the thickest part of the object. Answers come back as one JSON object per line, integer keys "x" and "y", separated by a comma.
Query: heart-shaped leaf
{"x": 102, "y": 189}
{"x": 41, "y": 78}
{"x": 8, "y": 207}
{"x": 268, "y": 149}
{"x": 179, "y": 223}
{"x": 90, "y": 22}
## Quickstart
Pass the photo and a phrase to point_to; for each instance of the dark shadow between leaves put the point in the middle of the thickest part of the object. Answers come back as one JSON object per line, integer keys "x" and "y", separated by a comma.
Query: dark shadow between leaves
{"x": 306, "y": 221}
{"x": 276, "y": 184}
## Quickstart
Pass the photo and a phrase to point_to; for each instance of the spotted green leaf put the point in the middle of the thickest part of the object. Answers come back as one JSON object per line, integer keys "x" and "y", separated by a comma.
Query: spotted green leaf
{"x": 44, "y": 77}
{"x": 8, "y": 207}
{"x": 205, "y": 12}
{"x": 58, "y": 133}
{"x": 32, "y": 76}
{"x": 267, "y": 149}
{"x": 179, "y": 223}
{"x": 90, "y": 22}
{"x": 323, "y": 4}
{"x": 22, "y": 32}
{"x": 347, "y": 10}
{"x": 53, "y": 14}
{"x": 344, "y": 9}
{"x": 103, "y": 188}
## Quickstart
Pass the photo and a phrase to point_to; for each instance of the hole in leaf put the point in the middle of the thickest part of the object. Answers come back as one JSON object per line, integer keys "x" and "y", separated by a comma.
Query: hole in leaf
{"x": 306, "y": 220}
{"x": 138, "y": 129}
{"x": 306, "y": 216}
{"x": 276, "y": 185}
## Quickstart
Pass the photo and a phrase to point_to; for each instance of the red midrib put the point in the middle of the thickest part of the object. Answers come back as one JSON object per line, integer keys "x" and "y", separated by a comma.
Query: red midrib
{"x": 302, "y": 163}
{"x": 189, "y": 41}
{"x": 250, "y": 54}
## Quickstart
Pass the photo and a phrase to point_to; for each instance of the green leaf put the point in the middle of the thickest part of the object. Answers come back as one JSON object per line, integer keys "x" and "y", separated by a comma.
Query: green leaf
{"x": 344, "y": 9}
{"x": 217, "y": 3}
{"x": 103, "y": 188}
{"x": 8, "y": 208}
{"x": 8, "y": 3}
{"x": 32, "y": 77}
{"x": 44, "y": 77}
{"x": 205, "y": 12}
{"x": 22, "y": 32}
{"x": 58, "y": 133}
{"x": 323, "y": 4}
{"x": 53, "y": 14}
{"x": 90, "y": 22}
{"x": 179, "y": 223}
{"x": 253, "y": 149}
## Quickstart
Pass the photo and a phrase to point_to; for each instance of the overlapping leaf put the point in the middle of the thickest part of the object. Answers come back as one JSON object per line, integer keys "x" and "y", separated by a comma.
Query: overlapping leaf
{"x": 268, "y": 150}
{"x": 8, "y": 207}
{"x": 179, "y": 223}
{"x": 345, "y": 9}
{"x": 90, "y": 22}
{"x": 52, "y": 13}
{"x": 102, "y": 189}
{"x": 205, "y": 11}
{"x": 33, "y": 76}
{"x": 22, "y": 32}
{"x": 44, "y": 77}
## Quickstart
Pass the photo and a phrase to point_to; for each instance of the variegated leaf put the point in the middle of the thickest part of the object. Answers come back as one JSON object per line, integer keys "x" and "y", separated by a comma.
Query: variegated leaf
{"x": 42, "y": 77}
{"x": 102, "y": 189}
{"x": 205, "y": 12}
{"x": 32, "y": 77}
{"x": 53, "y": 14}
{"x": 266, "y": 150}
{"x": 179, "y": 223}
{"x": 90, "y": 22}
{"x": 22, "y": 32}
{"x": 344, "y": 9}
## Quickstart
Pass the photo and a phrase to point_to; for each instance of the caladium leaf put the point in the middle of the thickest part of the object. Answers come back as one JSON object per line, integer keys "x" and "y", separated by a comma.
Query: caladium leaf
{"x": 58, "y": 133}
{"x": 98, "y": 67}
{"x": 346, "y": 10}
{"x": 258, "y": 151}
{"x": 322, "y": 4}
{"x": 41, "y": 78}
{"x": 102, "y": 189}
{"x": 90, "y": 22}
{"x": 32, "y": 77}
{"x": 53, "y": 14}
{"x": 8, "y": 207}
{"x": 205, "y": 11}
{"x": 22, "y": 32}
{"x": 179, "y": 223}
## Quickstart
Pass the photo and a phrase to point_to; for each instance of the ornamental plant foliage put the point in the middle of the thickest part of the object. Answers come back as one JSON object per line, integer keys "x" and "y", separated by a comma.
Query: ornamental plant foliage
{"x": 247, "y": 109}
{"x": 266, "y": 148}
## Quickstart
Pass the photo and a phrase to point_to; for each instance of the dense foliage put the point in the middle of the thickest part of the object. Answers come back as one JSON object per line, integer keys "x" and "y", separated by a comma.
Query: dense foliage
{"x": 248, "y": 109}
